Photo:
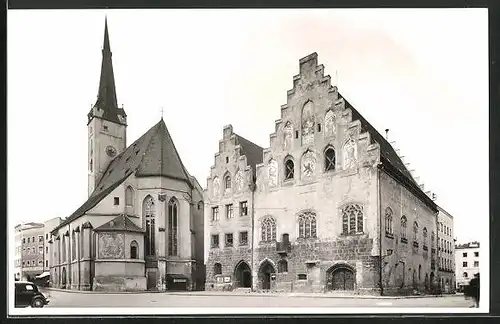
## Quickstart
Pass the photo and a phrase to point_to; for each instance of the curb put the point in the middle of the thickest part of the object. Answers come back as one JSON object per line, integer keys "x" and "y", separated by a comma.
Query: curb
{"x": 319, "y": 295}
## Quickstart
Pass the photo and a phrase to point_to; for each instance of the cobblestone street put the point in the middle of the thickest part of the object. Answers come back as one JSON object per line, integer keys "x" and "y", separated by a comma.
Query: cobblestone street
{"x": 206, "y": 299}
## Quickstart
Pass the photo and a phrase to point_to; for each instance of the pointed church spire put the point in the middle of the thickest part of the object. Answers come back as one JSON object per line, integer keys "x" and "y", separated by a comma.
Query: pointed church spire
{"x": 106, "y": 103}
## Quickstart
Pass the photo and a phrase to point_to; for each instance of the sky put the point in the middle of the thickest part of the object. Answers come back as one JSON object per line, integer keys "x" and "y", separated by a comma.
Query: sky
{"x": 421, "y": 73}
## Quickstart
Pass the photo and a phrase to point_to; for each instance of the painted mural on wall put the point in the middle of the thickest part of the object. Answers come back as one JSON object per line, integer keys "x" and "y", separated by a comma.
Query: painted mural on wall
{"x": 329, "y": 123}
{"x": 308, "y": 123}
{"x": 350, "y": 154}
{"x": 216, "y": 187}
{"x": 287, "y": 135}
{"x": 111, "y": 246}
{"x": 308, "y": 164}
{"x": 272, "y": 169}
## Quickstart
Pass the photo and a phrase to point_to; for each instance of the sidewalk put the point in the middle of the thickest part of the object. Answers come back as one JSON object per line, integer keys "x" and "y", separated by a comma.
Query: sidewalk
{"x": 251, "y": 294}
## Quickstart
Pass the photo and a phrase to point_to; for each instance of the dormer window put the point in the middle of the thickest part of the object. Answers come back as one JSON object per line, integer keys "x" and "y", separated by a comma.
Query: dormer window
{"x": 105, "y": 127}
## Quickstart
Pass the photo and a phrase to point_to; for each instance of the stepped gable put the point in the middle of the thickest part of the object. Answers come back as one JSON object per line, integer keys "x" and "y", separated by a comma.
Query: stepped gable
{"x": 120, "y": 223}
{"x": 139, "y": 157}
{"x": 252, "y": 151}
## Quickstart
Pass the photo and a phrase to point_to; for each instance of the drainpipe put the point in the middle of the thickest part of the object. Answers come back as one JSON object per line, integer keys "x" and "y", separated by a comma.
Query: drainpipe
{"x": 253, "y": 188}
{"x": 380, "y": 230}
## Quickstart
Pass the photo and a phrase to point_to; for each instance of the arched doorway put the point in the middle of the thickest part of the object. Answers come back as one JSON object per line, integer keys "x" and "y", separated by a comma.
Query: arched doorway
{"x": 243, "y": 275}
{"x": 265, "y": 271}
{"x": 340, "y": 277}
{"x": 63, "y": 283}
{"x": 431, "y": 283}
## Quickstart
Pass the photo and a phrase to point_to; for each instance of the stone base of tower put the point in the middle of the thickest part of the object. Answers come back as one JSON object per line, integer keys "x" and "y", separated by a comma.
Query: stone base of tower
{"x": 110, "y": 283}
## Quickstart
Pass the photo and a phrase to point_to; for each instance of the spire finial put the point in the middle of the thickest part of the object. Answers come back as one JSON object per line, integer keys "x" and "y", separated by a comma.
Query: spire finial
{"x": 161, "y": 113}
{"x": 337, "y": 78}
{"x": 106, "y": 46}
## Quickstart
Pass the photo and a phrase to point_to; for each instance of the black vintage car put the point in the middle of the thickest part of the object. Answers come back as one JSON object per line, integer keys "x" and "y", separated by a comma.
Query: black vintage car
{"x": 27, "y": 294}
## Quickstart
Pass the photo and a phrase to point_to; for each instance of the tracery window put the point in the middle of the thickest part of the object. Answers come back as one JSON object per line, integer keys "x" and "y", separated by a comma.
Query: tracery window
{"x": 424, "y": 232}
{"x": 388, "y": 221}
{"x": 289, "y": 169}
{"x": 352, "y": 219}
{"x": 73, "y": 246}
{"x": 173, "y": 209}
{"x": 329, "y": 159}
{"x": 433, "y": 238}
{"x": 415, "y": 231}
{"x": 227, "y": 182}
{"x": 268, "y": 229}
{"x": 404, "y": 226}
{"x": 307, "y": 225}
{"x": 129, "y": 197}
{"x": 149, "y": 212}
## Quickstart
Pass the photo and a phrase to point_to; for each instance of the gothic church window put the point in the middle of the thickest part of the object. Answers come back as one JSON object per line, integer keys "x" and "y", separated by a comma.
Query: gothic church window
{"x": 433, "y": 238}
{"x": 307, "y": 225}
{"x": 268, "y": 229}
{"x": 329, "y": 159}
{"x": 227, "y": 182}
{"x": 129, "y": 197}
{"x": 149, "y": 212}
{"x": 424, "y": 232}
{"x": 289, "y": 169}
{"x": 134, "y": 250}
{"x": 415, "y": 231}
{"x": 388, "y": 221}
{"x": 73, "y": 246}
{"x": 173, "y": 209}
{"x": 352, "y": 219}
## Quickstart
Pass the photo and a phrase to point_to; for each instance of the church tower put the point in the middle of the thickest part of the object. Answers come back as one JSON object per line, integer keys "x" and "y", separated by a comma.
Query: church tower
{"x": 107, "y": 124}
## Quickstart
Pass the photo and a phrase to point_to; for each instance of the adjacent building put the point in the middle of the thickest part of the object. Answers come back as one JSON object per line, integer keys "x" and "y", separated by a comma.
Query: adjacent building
{"x": 29, "y": 255}
{"x": 49, "y": 226}
{"x": 467, "y": 263}
{"x": 142, "y": 224}
{"x": 328, "y": 205}
{"x": 446, "y": 252}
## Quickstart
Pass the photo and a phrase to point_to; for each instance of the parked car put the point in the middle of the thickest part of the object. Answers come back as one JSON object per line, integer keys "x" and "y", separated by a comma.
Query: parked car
{"x": 27, "y": 294}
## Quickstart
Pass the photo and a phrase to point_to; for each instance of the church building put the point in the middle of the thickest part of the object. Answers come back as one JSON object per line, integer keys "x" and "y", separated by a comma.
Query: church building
{"x": 141, "y": 227}
{"x": 328, "y": 206}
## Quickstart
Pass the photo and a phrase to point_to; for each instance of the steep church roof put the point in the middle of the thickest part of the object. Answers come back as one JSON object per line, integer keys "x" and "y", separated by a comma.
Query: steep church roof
{"x": 153, "y": 154}
{"x": 106, "y": 96}
{"x": 120, "y": 223}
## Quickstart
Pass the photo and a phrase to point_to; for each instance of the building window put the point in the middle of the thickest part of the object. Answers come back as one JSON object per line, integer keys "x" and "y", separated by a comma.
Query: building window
{"x": 227, "y": 159}
{"x": 424, "y": 232}
{"x": 46, "y": 263}
{"x": 282, "y": 266}
{"x": 464, "y": 254}
{"x": 415, "y": 231}
{"x": 217, "y": 269}
{"x": 28, "y": 240}
{"x": 433, "y": 237}
{"x": 268, "y": 229}
{"x": 388, "y": 221}
{"x": 46, "y": 249}
{"x": 289, "y": 169}
{"x": 307, "y": 225}
{"x": 215, "y": 213}
{"x": 24, "y": 240}
{"x": 40, "y": 250}
{"x": 464, "y": 264}
{"x": 465, "y": 275}
{"x": 319, "y": 128}
{"x": 296, "y": 134}
{"x": 229, "y": 211}
{"x": 302, "y": 276}
{"x": 46, "y": 236}
{"x": 243, "y": 208}
{"x": 227, "y": 182}
{"x": 476, "y": 254}
{"x": 40, "y": 238}
{"x": 134, "y": 250}
{"x": 229, "y": 239}
{"x": 215, "y": 240}
{"x": 116, "y": 201}
{"x": 200, "y": 205}
{"x": 352, "y": 219}
{"x": 329, "y": 159}
{"x": 476, "y": 264}
{"x": 173, "y": 211}
{"x": 129, "y": 197}
{"x": 73, "y": 246}
{"x": 244, "y": 238}
{"x": 149, "y": 211}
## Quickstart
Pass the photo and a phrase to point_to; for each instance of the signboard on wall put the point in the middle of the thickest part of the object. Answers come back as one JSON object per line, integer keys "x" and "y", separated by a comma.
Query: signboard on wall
{"x": 220, "y": 279}
{"x": 227, "y": 279}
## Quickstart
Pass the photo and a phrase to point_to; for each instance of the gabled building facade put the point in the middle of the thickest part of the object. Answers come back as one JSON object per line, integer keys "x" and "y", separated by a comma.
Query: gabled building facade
{"x": 333, "y": 207}
{"x": 141, "y": 227}
{"x": 446, "y": 252}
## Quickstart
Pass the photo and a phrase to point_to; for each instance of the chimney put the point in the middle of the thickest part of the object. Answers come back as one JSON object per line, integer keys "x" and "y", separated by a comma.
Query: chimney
{"x": 387, "y": 134}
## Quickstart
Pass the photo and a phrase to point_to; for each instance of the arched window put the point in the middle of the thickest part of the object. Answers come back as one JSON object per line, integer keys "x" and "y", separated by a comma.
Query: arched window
{"x": 352, "y": 219}
{"x": 329, "y": 159}
{"x": 173, "y": 210}
{"x": 149, "y": 212}
{"x": 433, "y": 238}
{"x": 415, "y": 231}
{"x": 388, "y": 221}
{"x": 425, "y": 236}
{"x": 134, "y": 250}
{"x": 73, "y": 246}
{"x": 63, "y": 244}
{"x": 419, "y": 273}
{"x": 268, "y": 229}
{"x": 227, "y": 182}
{"x": 129, "y": 197}
{"x": 217, "y": 269}
{"x": 466, "y": 275}
{"x": 289, "y": 169}
{"x": 404, "y": 226}
{"x": 282, "y": 266}
{"x": 307, "y": 225}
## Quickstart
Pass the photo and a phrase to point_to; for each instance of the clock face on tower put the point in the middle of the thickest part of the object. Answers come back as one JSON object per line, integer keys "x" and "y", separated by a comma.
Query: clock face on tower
{"x": 111, "y": 151}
